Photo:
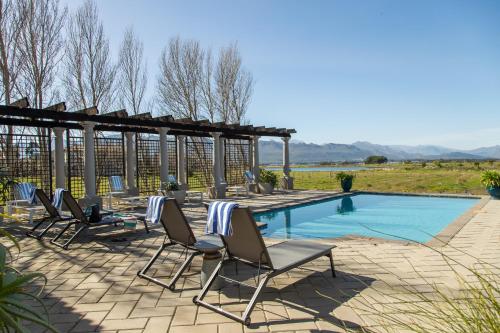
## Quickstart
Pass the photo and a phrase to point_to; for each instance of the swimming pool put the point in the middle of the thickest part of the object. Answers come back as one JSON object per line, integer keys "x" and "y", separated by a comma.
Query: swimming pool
{"x": 414, "y": 217}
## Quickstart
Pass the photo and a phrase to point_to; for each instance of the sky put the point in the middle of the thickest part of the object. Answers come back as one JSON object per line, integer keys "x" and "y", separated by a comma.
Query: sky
{"x": 388, "y": 72}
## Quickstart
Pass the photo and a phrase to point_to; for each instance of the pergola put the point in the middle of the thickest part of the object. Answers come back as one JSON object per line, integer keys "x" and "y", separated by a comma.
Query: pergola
{"x": 56, "y": 121}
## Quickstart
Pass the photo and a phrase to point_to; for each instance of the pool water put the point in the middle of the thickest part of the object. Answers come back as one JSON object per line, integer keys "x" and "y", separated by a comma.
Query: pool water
{"x": 384, "y": 216}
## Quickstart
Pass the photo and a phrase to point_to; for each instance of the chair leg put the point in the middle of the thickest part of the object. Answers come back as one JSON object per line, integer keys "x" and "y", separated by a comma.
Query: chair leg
{"x": 146, "y": 226}
{"x": 66, "y": 244}
{"x": 39, "y": 236}
{"x": 245, "y": 318}
{"x": 170, "y": 285}
{"x": 332, "y": 266}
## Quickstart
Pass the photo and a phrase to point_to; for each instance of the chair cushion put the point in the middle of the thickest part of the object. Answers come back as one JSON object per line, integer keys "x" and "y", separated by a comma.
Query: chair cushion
{"x": 294, "y": 253}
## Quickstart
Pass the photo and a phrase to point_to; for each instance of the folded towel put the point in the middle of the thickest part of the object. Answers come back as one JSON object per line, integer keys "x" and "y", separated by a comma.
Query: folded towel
{"x": 116, "y": 184}
{"x": 219, "y": 218}
{"x": 57, "y": 199}
{"x": 249, "y": 177}
{"x": 26, "y": 191}
{"x": 153, "y": 213}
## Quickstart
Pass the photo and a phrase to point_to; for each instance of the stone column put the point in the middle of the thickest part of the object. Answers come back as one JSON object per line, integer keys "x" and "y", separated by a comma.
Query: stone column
{"x": 131, "y": 166}
{"x": 219, "y": 189}
{"x": 89, "y": 166}
{"x": 163, "y": 154}
{"x": 222, "y": 160}
{"x": 59, "y": 157}
{"x": 256, "y": 163}
{"x": 287, "y": 181}
{"x": 250, "y": 155}
{"x": 181, "y": 162}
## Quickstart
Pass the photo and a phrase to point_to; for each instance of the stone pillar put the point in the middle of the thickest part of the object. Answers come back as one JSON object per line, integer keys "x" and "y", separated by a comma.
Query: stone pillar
{"x": 59, "y": 157}
{"x": 163, "y": 154}
{"x": 256, "y": 163}
{"x": 287, "y": 181}
{"x": 222, "y": 160}
{"x": 181, "y": 162}
{"x": 219, "y": 189}
{"x": 131, "y": 166}
{"x": 250, "y": 155}
{"x": 89, "y": 166}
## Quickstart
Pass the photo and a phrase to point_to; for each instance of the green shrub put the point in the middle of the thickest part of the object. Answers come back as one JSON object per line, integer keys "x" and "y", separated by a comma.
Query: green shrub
{"x": 342, "y": 176}
{"x": 376, "y": 159}
{"x": 267, "y": 176}
{"x": 490, "y": 179}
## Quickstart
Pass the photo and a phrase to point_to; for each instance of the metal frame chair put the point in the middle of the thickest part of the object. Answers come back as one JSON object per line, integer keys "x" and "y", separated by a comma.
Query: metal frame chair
{"x": 246, "y": 245}
{"x": 178, "y": 232}
{"x": 53, "y": 217}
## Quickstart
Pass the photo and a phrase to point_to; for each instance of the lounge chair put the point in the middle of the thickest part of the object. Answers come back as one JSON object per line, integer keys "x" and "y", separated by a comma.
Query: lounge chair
{"x": 238, "y": 189}
{"x": 117, "y": 189}
{"x": 53, "y": 217}
{"x": 81, "y": 222}
{"x": 246, "y": 245}
{"x": 178, "y": 232}
{"x": 24, "y": 200}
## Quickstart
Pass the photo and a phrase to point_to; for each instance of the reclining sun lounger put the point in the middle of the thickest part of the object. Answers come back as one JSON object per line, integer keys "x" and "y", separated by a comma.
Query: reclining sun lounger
{"x": 53, "y": 217}
{"x": 246, "y": 245}
{"x": 81, "y": 222}
{"x": 178, "y": 232}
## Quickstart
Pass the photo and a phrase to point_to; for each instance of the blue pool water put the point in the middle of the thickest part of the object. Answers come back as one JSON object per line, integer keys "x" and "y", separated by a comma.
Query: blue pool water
{"x": 331, "y": 169}
{"x": 414, "y": 217}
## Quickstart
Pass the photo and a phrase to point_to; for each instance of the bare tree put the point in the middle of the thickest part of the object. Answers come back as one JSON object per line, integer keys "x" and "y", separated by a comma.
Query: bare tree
{"x": 132, "y": 72}
{"x": 234, "y": 86}
{"x": 178, "y": 84}
{"x": 40, "y": 48}
{"x": 207, "y": 88}
{"x": 10, "y": 31}
{"x": 89, "y": 75}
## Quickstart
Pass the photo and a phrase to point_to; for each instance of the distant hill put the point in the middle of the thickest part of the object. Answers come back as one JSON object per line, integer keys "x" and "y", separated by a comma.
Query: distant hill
{"x": 301, "y": 152}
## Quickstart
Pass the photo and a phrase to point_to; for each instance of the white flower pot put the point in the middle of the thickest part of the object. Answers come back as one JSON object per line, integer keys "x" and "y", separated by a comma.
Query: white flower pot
{"x": 179, "y": 196}
{"x": 266, "y": 188}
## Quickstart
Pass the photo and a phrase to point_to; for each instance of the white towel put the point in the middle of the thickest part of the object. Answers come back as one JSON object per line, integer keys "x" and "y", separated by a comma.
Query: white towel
{"x": 57, "y": 199}
{"x": 153, "y": 213}
{"x": 26, "y": 191}
{"x": 219, "y": 218}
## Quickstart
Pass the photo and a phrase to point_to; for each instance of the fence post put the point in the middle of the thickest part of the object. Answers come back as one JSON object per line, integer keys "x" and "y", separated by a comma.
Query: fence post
{"x": 89, "y": 166}
{"x": 181, "y": 162}
{"x": 131, "y": 164}
{"x": 163, "y": 154}
{"x": 59, "y": 157}
{"x": 287, "y": 181}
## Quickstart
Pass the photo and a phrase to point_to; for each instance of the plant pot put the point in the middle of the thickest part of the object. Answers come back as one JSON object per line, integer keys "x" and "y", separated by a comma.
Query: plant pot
{"x": 494, "y": 191}
{"x": 179, "y": 196}
{"x": 266, "y": 188}
{"x": 346, "y": 185}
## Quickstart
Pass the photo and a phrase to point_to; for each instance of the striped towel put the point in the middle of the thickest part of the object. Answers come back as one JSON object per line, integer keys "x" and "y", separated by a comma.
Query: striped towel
{"x": 116, "y": 184}
{"x": 219, "y": 218}
{"x": 26, "y": 191}
{"x": 153, "y": 213}
{"x": 57, "y": 199}
{"x": 249, "y": 177}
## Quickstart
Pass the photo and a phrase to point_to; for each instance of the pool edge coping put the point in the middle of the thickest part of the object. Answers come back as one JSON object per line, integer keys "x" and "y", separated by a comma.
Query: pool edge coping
{"x": 439, "y": 240}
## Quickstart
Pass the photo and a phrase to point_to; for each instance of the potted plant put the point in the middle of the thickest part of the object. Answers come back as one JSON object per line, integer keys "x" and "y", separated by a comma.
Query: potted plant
{"x": 172, "y": 190}
{"x": 5, "y": 184}
{"x": 267, "y": 181}
{"x": 345, "y": 180}
{"x": 491, "y": 179}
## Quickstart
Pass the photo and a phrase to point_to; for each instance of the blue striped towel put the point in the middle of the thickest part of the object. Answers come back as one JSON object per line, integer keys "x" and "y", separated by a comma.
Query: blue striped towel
{"x": 153, "y": 213}
{"x": 219, "y": 218}
{"x": 26, "y": 191}
{"x": 57, "y": 199}
{"x": 116, "y": 184}
{"x": 249, "y": 177}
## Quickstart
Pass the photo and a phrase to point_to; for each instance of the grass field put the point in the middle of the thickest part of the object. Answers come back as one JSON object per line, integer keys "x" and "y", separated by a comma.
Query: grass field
{"x": 431, "y": 177}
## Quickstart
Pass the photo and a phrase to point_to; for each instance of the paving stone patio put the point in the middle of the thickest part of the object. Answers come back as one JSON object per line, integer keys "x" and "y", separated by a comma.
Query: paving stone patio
{"x": 94, "y": 285}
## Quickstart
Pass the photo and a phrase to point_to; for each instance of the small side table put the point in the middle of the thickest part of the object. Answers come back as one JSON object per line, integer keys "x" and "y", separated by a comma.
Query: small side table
{"x": 210, "y": 246}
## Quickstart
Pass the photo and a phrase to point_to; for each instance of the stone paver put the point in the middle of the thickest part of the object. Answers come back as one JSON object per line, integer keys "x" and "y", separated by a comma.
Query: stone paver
{"x": 94, "y": 286}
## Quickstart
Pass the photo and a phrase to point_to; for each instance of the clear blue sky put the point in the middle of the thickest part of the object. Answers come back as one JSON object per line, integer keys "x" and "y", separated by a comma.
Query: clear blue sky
{"x": 388, "y": 72}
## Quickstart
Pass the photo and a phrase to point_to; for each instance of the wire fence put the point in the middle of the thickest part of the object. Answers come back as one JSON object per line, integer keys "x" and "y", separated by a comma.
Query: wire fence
{"x": 199, "y": 157}
{"x": 236, "y": 161}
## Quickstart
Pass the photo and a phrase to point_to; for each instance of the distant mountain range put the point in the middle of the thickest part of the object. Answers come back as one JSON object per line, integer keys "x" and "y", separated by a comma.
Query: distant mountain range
{"x": 300, "y": 152}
